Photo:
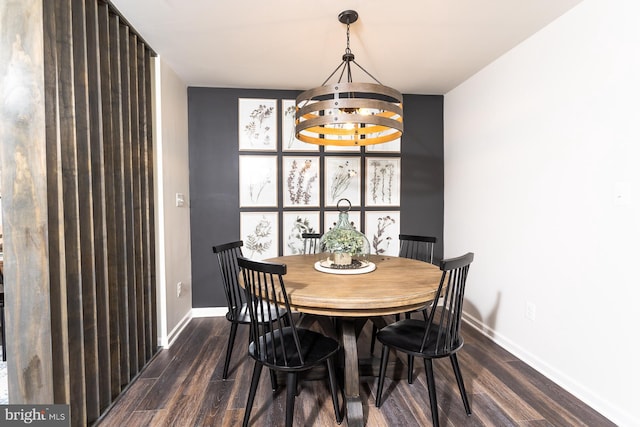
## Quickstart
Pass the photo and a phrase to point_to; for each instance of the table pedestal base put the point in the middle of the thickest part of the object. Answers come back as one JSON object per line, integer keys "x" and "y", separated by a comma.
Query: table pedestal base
{"x": 348, "y": 329}
{"x": 353, "y": 402}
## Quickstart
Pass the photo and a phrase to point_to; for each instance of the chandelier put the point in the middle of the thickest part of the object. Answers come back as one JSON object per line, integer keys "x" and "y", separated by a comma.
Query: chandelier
{"x": 347, "y": 113}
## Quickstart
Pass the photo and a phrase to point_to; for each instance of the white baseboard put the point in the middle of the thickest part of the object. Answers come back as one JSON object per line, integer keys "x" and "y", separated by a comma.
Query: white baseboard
{"x": 589, "y": 397}
{"x": 175, "y": 332}
{"x": 166, "y": 342}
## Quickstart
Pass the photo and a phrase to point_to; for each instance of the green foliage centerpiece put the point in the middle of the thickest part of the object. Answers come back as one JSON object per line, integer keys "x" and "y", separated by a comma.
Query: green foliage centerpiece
{"x": 344, "y": 246}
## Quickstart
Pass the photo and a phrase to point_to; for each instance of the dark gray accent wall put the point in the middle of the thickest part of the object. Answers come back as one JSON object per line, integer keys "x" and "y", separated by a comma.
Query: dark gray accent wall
{"x": 214, "y": 183}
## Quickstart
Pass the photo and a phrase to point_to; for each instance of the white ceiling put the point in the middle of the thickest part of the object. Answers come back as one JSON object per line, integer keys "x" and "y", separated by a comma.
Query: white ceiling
{"x": 414, "y": 46}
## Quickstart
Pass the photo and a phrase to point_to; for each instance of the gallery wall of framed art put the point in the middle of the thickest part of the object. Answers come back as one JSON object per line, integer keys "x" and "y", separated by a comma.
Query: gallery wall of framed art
{"x": 286, "y": 184}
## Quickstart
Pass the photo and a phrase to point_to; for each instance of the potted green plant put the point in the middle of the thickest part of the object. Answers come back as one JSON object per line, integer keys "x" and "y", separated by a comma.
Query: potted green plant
{"x": 344, "y": 244}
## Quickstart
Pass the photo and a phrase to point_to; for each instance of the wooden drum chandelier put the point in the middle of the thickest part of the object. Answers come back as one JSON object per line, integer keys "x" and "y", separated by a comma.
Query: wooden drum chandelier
{"x": 348, "y": 113}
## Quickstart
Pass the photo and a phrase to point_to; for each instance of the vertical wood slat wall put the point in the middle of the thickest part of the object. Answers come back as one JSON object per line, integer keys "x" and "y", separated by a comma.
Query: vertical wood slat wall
{"x": 100, "y": 189}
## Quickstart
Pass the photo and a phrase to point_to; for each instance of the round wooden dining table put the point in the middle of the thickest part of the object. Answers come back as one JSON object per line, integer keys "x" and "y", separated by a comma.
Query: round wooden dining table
{"x": 397, "y": 285}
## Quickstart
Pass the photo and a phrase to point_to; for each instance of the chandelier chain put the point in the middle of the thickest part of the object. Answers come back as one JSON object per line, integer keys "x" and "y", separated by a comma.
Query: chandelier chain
{"x": 348, "y": 49}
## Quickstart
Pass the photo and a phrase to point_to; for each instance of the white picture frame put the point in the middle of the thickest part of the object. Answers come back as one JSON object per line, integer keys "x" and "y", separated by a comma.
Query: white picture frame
{"x": 385, "y": 147}
{"x": 257, "y": 124}
{"x": 343, "y": 177}
{"x": 293, "y": 225}
{"x": 343, "y": 148}
{"x": 300, "y": 181}
{"x": 331, "y": 220}
{"x": 258, "y": 178}
{"x": 382, "y": 185}
{"x": 289, "y": 140}
{"x": 259, "y": 233}
{"x": 382, "y": 229}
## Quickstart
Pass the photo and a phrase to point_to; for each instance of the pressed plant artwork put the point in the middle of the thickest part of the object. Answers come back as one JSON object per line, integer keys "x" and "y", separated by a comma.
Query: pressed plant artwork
{"x": 300, "y": 178}
{"x": 331, "y": 220}
{"x": 289, "y": 140}
{"x": 260, "y": 233}
{"x": 383, "y": 181}
{"x": 382, "y": 229}
{"x": 385, "y": 147}
{"x": 342, "y": 179}
{"x": 258, "y": 181}
{"x": 257, "y": 124}
{"x": 294, "y": 224}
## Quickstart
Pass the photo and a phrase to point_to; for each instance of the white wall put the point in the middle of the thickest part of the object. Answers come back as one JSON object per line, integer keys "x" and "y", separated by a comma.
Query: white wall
{"x": 542, "y": 173}
{"x": 173, "y": 256}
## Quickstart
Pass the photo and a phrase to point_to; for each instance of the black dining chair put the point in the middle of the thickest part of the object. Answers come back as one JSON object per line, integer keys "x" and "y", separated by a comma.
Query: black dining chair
{"x": 237, "y": 312}
{"x": 413, "y": 247}
{"x": 311, "y": 243}
{"x": 279, "y": 345}
{"x": 436, "y": 337}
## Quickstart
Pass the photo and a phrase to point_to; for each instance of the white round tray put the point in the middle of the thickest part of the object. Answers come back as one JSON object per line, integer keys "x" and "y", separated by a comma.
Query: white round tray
{"x": 367, "y": 267}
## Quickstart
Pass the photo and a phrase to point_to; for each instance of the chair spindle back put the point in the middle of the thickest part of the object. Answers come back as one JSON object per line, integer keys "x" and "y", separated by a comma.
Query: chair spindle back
{"x": 227, "y": 255}
{"x": 264, "y": 287}
{"x": 417, "y": 247}
{"x": 311, "y": 243}
{"x": 443, "y": 324}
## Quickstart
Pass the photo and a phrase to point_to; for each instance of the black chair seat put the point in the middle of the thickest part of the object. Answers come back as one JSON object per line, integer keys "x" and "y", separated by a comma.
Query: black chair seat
{"x": 315, "y": 348}
{"x": 407, "y": 336}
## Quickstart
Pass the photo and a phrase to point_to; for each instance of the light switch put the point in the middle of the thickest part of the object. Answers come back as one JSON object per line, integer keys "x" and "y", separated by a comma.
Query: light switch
{"x": 179, "y": 200}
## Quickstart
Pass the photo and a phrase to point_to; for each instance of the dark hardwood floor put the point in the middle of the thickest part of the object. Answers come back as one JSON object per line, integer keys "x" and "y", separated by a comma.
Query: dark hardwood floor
{"x": 183, "y": 386}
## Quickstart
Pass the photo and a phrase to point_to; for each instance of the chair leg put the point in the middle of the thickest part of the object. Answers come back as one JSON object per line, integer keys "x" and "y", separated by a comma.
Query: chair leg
{"x": 410, "y": 373}
{"x": 381, "y": 374}
{"x": 227, "y": 359}
{"x": 334, "y": 389}
{"x": 274, "y": 380}
{"x": 292, "y": 383}
{"x": 463, "y": 392}
{"x": 431, "y": 386}
{"x": 255, "y": 378}
{"x": 374, "y": 331}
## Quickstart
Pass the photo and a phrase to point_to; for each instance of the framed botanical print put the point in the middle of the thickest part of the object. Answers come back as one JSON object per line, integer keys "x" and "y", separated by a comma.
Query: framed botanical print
{"x": 300, "y": 181}
{"x": 342, "y": 180}
{"x": 289, "y": 140}
{"x": 259, "y": 233}
{"x": 331, "y": 219}
{"x": 257, "y": 124}
{"x": 293, "y": 225}
{"x": 258, "y": 181}
{"x": 385, "y": 147}
{"x": 382, "y": 183}
{"x": 382, "y": 229}
{"x": 342, "y": 148}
